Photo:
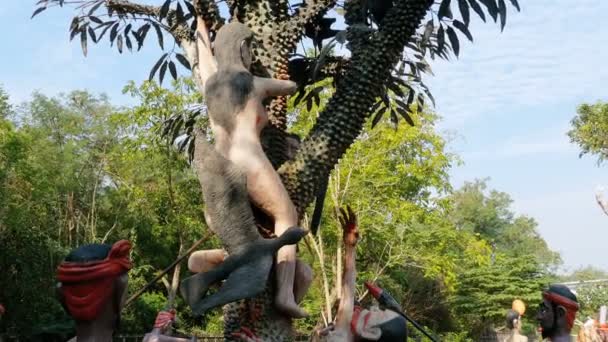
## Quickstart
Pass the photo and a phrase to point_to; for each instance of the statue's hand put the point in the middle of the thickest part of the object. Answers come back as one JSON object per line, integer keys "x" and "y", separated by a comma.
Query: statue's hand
{"x": 348, "y": 220}
{"x": 246, "y": 335}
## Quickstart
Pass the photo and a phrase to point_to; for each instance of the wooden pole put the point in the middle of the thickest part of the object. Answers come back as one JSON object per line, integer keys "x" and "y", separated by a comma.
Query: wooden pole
{"x": 167, "y": 269}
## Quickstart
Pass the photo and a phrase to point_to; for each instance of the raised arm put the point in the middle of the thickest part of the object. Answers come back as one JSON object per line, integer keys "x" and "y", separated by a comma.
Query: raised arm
{"x": 271, "y": 87}
{"x": 207, "y": 64}
{"x": 350, "y": 236}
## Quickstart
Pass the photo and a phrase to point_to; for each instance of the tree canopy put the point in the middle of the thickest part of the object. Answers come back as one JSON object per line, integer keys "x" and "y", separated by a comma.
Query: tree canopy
{"x": 590, "y": 130}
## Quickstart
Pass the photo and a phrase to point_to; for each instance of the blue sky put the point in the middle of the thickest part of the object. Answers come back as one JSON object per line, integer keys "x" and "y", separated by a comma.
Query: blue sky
{"x": 506, "y": 103}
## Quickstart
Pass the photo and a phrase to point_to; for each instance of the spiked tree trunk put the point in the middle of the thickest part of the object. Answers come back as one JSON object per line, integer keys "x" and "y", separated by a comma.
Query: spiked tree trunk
{"x": 385, "y": 37}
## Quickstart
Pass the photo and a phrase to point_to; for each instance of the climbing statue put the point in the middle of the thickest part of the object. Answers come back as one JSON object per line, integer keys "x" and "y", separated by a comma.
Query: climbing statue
{"x": 250, "y": 256}
{"x": 92, "y": 287}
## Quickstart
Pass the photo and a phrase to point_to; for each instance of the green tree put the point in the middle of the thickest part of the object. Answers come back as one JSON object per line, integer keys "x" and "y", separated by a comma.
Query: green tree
{"x": 488, "y": 215}
{"x": 590, "y": 130}
{"x": 485, "y": 292}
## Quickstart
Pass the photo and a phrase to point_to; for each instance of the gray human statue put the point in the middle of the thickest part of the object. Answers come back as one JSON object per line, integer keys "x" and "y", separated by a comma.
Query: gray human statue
{"x": 237, "y": 115}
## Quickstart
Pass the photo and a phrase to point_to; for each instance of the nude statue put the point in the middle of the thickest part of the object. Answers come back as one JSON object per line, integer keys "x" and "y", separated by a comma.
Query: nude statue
{"x": 250, "y": 258}
{"x": 237, "y": 114}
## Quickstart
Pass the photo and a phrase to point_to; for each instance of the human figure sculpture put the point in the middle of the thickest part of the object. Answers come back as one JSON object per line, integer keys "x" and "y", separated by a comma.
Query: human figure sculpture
{"x": 92, "y": 287}
{"x": 162, "y": 326}
{"x": 341, "y": 330}
{"x": 514, "y": 326}
{"x": 250, "y": 258}
{"x": 353, "y": 322}
{"x": 557, "y": 313}
{"x": 237, "y": 115}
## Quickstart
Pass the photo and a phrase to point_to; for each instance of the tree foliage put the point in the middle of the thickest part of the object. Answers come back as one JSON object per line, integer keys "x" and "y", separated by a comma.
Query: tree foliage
{"x": 590, "y": 130}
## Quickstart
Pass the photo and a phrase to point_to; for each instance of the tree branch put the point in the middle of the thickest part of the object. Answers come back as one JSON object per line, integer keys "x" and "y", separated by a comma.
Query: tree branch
{"x": 342, "y": 120}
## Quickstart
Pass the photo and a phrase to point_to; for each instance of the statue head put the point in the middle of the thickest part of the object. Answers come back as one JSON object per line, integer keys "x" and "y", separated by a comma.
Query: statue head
{"x": 513, "y": 320}
{"x": 92, "y": 282}
{"x": 557, "y": 312}
{"x": 232, "y": 47}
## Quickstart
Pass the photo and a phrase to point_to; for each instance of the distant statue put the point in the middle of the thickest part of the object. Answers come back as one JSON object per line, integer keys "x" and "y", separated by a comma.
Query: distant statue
{"x": 162, "y": 328}
{"x": 92, "y": 287}
{"x": 601, "y": 199}
{"x": 514, "y": 326}
{"x": 557, "y": 313}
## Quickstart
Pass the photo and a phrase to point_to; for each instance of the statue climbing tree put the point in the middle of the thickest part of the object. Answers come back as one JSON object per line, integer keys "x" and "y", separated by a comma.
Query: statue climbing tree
{"x": 387, "y": 43}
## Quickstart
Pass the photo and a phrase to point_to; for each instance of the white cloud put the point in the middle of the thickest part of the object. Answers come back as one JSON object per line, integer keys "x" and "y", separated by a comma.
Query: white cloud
{"x": 537, "y": 60}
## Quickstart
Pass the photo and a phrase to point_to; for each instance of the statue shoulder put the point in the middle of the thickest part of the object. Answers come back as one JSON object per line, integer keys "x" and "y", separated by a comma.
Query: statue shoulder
{"x": 240, "y": 81}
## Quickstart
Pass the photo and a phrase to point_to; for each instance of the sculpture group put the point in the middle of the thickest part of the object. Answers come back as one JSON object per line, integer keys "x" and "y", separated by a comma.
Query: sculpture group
{"x": 235, "y": 174}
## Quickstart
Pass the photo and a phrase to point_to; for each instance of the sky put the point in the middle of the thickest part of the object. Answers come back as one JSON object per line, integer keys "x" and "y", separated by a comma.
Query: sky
{"x": 506, "y": 103}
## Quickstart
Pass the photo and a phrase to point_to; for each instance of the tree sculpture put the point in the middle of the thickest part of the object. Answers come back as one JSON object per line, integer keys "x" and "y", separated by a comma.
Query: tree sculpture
{"x": 387, "y": 44}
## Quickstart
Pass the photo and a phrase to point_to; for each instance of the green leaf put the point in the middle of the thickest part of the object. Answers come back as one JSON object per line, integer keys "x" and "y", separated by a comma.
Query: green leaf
{"x": 127, "y": 30}
{"x": 107, "y": 25}
{"x": 96, "y": 6}
{"x": 394, "y": 118}
{"x": 475, "y": 6}
{"x": 444, "y": 10}
{"x": 492, "y": 8}
{"x": 119, "y": 43}
{"x": 156, "y": 66}
{"x": 83, "y": 40}
{"x": 159, "y": 34}
{"x": 516, "y": 4}
{"x": 463, "y": 28}
{"x": 164, "y": 10}
{"x": 453, "y": 40}
{"x": 37, "y": 11}
{"x": 129, "y": 44}
{"x": 179, "y": 13}
{"x": 173, "y": 70}
{"x": 404, "y": 112}
{"x": 440, "y": 38}
{"x": 502, "y": 9}
{"x": 464, "y": 11}
{"x": 92, "y": 34}
{"x": 95, "y": 19}
{"x": 183, "y": 60}
{"x": 378, "y": 116}
{"x": 114, "y": 32}
{"x": 163, "y": 69}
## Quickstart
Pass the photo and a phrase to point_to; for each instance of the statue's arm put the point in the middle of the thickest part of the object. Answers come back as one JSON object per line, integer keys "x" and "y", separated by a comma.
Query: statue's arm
{"x": 271, "y": 87}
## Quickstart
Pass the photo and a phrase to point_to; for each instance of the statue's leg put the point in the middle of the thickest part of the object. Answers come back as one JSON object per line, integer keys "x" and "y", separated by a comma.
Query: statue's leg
{"x": 203, "y": 261}
{"x": 267, "y": 191}
{"x": 303, "y": 279}
{"x": 285, "y": 299}
{"x": 243, "y": 282}
{"x": 195, "y": 287}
